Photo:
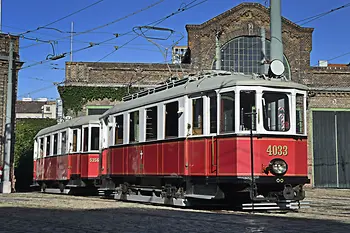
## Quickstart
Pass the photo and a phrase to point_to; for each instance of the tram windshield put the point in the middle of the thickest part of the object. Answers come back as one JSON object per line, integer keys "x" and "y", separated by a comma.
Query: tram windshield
{"x": 276, "y": 111}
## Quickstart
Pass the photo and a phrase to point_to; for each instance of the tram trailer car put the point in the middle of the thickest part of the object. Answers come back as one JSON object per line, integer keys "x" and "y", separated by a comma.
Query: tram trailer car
{"x": 66, "y": 155}
{"x": 220, "y": 136}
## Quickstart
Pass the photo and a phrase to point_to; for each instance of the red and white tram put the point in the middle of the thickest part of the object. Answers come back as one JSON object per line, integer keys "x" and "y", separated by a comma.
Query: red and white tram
{"x": 219, "y": 136}
{"x": 67, "y": 154}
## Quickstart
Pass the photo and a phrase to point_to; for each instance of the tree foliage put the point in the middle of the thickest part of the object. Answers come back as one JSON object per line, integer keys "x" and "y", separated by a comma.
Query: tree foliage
{"x": 75, "y": 97}
{"x": 25, "y": 131}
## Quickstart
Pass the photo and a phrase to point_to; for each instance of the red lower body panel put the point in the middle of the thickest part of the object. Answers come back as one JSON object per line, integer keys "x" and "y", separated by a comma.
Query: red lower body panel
{"x": 223, "y": 156}
{"x": 62, "y": 167}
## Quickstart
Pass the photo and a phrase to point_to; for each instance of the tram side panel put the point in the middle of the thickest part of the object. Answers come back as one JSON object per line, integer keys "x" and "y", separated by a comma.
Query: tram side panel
{"x": 162, "y": 159}
{"x": 104, "y": 162}
{"x": 198, "y": 156}
{"x": 93, "y": 165}
{"x": 50, "y": 167}
{"x": 293, "y": 152}
{"x": 173, "y": 160}
{"x": 74, "y": 166}
{"x": 227, "y": 164}
{"x": 89, "y": 165}
{"x": 151, "y": 159}
{"x": 62, "y": 168}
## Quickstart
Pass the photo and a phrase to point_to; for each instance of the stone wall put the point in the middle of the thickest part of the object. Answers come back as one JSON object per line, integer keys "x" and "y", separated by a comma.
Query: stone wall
{"x": 246, "y": 20}
{"x": 114, "y": 74}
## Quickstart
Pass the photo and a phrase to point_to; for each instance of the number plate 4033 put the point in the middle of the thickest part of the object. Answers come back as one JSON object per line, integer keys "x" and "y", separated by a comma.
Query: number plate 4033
{"x": 277, "y": 150}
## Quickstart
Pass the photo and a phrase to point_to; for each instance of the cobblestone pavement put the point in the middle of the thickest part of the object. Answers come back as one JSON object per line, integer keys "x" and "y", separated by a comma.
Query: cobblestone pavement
{"x": 35, "y": 212}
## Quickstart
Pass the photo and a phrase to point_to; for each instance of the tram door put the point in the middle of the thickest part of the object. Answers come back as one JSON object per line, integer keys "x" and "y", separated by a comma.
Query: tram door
{"x": 213, "y": 112}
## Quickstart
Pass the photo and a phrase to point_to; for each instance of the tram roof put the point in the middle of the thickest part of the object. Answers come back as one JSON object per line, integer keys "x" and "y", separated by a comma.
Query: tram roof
{"x": 207, "y": 83}
{"x": 83, "y": 120}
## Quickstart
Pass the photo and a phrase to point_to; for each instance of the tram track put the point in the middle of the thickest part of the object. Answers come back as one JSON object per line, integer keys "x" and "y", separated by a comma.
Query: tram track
{"x": 200, "y": 206}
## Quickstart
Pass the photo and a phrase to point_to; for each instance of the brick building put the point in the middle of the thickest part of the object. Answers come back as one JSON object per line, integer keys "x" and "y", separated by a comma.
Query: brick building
{"x": 240, "y": 30}
{"x": 4, "y": 66}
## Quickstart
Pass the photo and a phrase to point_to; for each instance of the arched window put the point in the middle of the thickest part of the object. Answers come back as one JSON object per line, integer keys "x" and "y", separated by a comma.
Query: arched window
{"x": 244, "y": 55}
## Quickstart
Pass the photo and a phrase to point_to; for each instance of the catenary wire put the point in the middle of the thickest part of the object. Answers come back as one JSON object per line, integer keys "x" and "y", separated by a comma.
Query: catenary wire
{"x": 155, "y": 23}
{"x": 67, "y": 16}
{"x": 105, "y": 25}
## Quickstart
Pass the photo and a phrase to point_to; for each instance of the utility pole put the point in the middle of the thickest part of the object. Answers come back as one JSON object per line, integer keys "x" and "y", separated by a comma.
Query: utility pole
{"x": 6, "y": 185}
{"x": 276, "y": 30}
{"x": 0, "y": 15}
{"x": 71, "y": 42}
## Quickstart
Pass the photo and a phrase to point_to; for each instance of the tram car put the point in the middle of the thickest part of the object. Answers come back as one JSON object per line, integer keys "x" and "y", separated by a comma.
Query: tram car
{"x": 66, "y": 155}
{"x": 218, "y": 136}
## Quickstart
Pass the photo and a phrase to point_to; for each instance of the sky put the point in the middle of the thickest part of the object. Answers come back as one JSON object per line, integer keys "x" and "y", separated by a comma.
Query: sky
{"x": 330, "y": 36}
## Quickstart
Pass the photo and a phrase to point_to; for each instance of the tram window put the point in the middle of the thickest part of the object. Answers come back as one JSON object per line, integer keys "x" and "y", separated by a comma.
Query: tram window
{"x": 227, "y": 116}
{"x": 85, "y": 139}
{"x": 247, "y": 105}
{"x": 119, "y": 129}
{"x": 134, "y": 127}
{"x": 95, "y": 136}
{"x": 41, "y": 152}
{"x": 151, "y": 123}
{"x": 63, "y": 142}
{"x": 300, "y": 114}
{"x": 75, "y": 140}
{"x": 276, "y": 111}
{"x": 48, "y": 145}
{"x": 55, "y": 143}
{"x": 171, "y": 119}
{"x": 197, "y": 116}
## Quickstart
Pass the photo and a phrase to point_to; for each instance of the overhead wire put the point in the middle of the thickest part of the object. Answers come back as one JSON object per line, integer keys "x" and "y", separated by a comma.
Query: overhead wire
{"x": 60, "y": 19}
{"x": 155, "y": 23}
{"x": 107, "y": 40}
{"x": 41, "y": 89}
{"x": 315, "y": 17}
{"x": 107, "y": 24}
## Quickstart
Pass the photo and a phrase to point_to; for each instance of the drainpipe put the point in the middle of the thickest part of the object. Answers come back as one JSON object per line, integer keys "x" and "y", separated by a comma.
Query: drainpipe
{"x": 218, "y": 52}
{"x": 264, "y": 66}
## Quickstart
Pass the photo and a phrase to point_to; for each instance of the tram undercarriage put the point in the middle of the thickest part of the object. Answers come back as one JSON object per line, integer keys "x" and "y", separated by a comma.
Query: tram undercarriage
{"x": 228, "y": 192}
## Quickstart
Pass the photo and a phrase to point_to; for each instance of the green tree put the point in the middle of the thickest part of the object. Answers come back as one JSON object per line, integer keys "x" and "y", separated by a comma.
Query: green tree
{"x": 25, "y": 131}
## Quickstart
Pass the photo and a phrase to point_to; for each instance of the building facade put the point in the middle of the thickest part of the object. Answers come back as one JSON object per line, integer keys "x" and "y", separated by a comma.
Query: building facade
{"x": 240, "y": 31}
{"x": 41, "y": 108}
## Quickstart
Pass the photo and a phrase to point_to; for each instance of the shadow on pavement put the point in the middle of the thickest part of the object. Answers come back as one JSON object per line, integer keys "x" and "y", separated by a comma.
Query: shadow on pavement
{"x": 18, "y": 219}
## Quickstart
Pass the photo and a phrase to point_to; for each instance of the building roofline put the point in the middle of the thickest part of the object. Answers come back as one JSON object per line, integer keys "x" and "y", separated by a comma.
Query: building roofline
{"x": 240, "y": 6}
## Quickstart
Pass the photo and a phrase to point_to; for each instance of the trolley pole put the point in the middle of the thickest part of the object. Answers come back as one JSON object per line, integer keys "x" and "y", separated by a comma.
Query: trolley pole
{"x": 6, "y": 185}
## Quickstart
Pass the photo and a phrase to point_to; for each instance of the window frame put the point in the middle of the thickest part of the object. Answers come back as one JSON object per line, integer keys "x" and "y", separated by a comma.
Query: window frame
{"x": 60, "y": 141}
{"x": 114, "y": 122}
{"x": 83, "y": 138}
{"x": 252, "y": 89}
{"x": 79, "y": 140}
{"x": 164, "y": 118}
{"x": 290, "y": 112}
{"x": 235, "y": 90}
{"x": 158, "y": 110}
{"x": 90, "y": 137}
{"x": 204, "y": 118}
{"x": 137, "y": 140}
{"x": 304, "y": 93}
{"x": 57, "y": 143}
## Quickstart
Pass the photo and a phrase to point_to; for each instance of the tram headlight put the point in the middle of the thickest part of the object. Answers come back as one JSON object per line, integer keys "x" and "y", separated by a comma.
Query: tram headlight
{"x": 278, "y": 167}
